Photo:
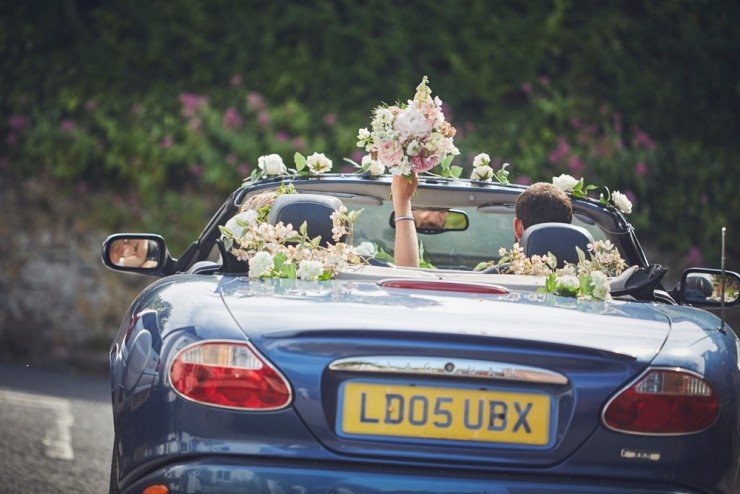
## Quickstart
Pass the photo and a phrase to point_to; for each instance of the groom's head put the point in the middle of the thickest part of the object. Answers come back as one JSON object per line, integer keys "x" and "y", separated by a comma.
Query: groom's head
{"x": 541, "y": 203}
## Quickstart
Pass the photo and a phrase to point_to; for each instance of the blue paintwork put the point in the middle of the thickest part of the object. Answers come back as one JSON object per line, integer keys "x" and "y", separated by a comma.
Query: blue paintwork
{"x": 301, "y": 327}
{"x": 225, "y": 475}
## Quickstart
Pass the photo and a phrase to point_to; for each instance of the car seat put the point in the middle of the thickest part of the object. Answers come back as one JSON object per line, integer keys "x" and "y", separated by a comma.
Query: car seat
{"x": 314, "y": 209}
{"x": 561, "y": 239}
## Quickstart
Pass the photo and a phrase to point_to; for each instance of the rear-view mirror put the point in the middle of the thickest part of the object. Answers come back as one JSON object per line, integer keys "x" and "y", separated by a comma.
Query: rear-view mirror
{"x": 437, "y": 220}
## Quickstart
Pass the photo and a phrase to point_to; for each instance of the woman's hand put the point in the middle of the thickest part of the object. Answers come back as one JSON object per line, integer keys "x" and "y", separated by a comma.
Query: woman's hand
{"x": 402, "y": 190}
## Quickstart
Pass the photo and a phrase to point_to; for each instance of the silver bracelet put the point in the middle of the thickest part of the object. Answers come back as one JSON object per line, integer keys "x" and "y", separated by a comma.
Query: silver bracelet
{"x": 402, "y": 218}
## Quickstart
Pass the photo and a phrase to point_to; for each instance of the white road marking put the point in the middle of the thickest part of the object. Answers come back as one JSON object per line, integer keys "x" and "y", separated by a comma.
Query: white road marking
{"x": 58, "y": 437}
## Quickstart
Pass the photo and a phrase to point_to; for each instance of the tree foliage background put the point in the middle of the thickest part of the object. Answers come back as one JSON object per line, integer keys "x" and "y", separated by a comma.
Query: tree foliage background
{"x": 155, "y": 109}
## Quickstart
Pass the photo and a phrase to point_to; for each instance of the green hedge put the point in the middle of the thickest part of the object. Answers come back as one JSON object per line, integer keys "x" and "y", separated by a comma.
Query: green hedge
{"x": 150, "y": 96}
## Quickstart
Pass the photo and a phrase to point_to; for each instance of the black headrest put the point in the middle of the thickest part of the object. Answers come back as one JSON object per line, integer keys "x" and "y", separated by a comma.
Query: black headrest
{"x": 559, "y": 238}
{"x": 314, "y": 209}
{"x": 702, "y": 286}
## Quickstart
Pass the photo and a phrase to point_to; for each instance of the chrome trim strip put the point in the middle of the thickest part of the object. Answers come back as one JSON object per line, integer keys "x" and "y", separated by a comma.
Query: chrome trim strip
{"x": 450, "y": 367}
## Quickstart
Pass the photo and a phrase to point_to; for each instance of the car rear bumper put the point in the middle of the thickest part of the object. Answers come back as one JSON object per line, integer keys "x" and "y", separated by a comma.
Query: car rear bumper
{"x": 225, "y": 475}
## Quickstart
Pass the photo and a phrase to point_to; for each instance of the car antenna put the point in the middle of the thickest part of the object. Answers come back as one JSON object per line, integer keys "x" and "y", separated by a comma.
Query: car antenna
{"x": 722, "y": 284}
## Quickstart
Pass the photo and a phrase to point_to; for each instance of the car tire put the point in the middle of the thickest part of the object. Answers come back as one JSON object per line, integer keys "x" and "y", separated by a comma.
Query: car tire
{"x": 113, "y": 486}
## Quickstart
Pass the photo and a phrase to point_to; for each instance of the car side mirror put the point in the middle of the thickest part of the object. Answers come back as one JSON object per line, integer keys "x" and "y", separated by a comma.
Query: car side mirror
{"x": 143, "y": 253}
{"x": 703, "y": 287}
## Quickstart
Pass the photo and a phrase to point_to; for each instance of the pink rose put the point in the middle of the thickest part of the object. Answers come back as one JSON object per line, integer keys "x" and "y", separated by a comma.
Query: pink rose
{"x": 390, "y": 153}
{"x": 421, "y": 164}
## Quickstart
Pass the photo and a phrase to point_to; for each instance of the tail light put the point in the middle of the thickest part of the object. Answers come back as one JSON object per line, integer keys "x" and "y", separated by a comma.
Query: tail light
{"x": 663, "y": 401}
{"x": 444, "y": 286}
{"x": 230, "y": 375}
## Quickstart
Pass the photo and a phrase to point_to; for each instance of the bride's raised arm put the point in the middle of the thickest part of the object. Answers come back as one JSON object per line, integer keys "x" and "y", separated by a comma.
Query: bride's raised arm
{"x": 406, "y": 250}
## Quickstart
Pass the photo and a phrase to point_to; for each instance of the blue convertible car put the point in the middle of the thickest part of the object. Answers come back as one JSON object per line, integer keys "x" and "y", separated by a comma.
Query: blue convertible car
{"x": 436, "y": 379}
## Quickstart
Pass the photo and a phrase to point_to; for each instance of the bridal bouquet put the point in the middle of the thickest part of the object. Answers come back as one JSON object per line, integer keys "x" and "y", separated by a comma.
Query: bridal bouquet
{"x": 410, "y": 137}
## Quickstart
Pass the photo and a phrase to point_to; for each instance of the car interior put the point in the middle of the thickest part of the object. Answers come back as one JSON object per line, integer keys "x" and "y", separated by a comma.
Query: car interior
{"x": 480, "y": 223}
{"x": 459, "y": 224}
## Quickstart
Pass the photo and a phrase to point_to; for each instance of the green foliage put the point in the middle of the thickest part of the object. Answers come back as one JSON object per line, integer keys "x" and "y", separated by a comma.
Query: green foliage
{"x": 153, "y": 97}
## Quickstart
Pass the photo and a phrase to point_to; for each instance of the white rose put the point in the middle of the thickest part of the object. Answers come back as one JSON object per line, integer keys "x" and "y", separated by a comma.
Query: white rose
{"x": 310, "y": 270}
{"x": 250, "y": 216}
{"x": 600, "y": 282}
{"x": 621, "y": 202}
{"x": 318, "y": 164}
{"x": 568, "y": 282}
{"x": 374, "y": 167}
{"x": 569, "y": 270}
{"x": 382, "y": 122}
{"x": 564, "y": 182}
{"x": 483, "y": 173}
{"x": 366, "y": 249}
{"x": 413, "y": 148}
{"x": 481, "y": 160}
{"x": 271, "y": 164}
{"x": 261, "y": 264}
{"x": 403, "y": 167}
{"x": 363, "y": 137}
{"x": 411, "y": 123}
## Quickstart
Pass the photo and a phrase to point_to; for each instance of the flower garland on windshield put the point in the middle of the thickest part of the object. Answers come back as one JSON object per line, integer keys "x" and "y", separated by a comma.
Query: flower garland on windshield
{"x": 578, "y": 189}
{"x": 587, "y": 280}
{"x": 280, "y": 251}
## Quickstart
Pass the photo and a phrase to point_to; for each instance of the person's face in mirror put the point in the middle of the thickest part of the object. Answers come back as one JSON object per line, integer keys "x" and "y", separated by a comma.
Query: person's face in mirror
{"x": 118, "y": 250}
{"x": 129, "y": 252}
{"x": 430, "y": 219}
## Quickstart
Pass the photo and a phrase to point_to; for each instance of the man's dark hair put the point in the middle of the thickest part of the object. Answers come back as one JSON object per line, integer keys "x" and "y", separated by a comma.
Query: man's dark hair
{"x": 543, "y": 203}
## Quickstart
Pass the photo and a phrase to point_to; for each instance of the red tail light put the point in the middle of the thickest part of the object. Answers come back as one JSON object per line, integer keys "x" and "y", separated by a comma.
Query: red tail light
{"x": 228, "y": 374}
{"x": 444, "y": 286}
{"x": 663, "y": 401}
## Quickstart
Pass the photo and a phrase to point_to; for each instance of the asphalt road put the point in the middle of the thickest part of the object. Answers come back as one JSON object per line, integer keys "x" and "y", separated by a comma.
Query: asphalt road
{"x": 56, "y": 431}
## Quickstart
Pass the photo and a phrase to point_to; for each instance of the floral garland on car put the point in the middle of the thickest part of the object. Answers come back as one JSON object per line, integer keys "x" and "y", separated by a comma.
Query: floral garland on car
{"x": 587, "y": 280}
{"x": 318, "y": 164}
{"x": 483, "y": 172}
{"x": 579, "y": 190}
{"x": 280, "y": 251}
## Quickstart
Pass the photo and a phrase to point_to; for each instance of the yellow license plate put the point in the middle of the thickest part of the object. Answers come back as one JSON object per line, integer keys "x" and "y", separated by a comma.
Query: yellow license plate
{"x": 445, "y": 413}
